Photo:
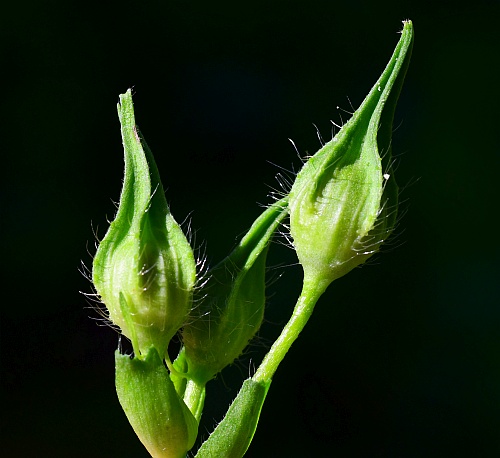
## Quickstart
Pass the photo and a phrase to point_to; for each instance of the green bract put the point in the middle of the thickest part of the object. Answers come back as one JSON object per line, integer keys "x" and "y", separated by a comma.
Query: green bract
{"x": 343, "y": 203}
{"x": 234, "y": 433}
{"x": 144, "y": 269}
{"x": 159, "y": 417}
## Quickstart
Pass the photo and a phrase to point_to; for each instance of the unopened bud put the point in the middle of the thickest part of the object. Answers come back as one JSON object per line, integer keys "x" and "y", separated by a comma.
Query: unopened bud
{"x": 343, "y": 203}
{"x": 232, "y": 311}
{"x": 144, "y": 269}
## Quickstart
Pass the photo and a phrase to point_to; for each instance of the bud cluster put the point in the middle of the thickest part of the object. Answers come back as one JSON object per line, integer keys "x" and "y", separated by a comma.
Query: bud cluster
{"x": 342, "y": 207}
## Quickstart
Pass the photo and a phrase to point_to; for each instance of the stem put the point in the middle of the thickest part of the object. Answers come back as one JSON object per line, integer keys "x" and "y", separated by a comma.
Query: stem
{"x": 194, "y": 397}
{"x": 311, "y": 292}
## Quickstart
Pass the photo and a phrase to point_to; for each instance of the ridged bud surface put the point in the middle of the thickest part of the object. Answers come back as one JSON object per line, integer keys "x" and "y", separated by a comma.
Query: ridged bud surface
{"x": 144, "y": 269}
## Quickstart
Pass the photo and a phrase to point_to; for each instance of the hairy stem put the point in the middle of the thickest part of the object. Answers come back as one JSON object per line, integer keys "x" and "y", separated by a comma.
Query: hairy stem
{"x": 311, "y": 292}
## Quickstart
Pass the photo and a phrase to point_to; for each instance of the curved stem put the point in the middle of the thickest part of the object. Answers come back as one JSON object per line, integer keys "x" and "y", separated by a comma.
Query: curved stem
{"x": 311, "y": 292}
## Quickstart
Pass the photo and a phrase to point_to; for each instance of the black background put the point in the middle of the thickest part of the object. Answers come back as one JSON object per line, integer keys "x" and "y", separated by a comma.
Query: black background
{"x": 400, "y": 359}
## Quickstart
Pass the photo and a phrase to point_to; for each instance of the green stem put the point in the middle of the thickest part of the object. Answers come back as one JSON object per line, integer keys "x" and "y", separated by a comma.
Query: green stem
{"x": 311, "y": 292}
{"x": 194, "y": 397}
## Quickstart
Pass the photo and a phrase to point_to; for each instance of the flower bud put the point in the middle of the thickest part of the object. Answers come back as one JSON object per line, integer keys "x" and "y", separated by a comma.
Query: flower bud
{"x": 160, "y": 418}
{"x": 233, "y": 307}
{"x": 144, "y": 269}
{"x": 343, "y": 203}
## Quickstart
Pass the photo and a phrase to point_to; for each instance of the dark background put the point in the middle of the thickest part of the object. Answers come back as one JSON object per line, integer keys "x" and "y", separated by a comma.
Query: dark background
{"x": 401, "y": 358}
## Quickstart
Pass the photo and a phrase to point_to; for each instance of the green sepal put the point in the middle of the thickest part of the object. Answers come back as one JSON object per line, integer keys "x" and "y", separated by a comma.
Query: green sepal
{"x": 233, "y": 435}
{"x": 144, "y": 260}
{"x": 343, "y": 203}
{"x": 232, "y": 307}
{"x": 159, "y": 417}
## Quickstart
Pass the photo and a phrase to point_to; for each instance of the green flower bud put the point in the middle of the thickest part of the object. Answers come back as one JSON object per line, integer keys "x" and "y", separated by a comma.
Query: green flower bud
{"x": 160, "y": 418}
{"x": 233, "y": 307}
{"x": 343, "y": 203}
{"x": 144, "y": 269}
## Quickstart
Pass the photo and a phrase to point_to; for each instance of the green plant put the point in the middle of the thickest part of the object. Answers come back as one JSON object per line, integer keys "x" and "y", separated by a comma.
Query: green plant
{"x": 342, "y": 207}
